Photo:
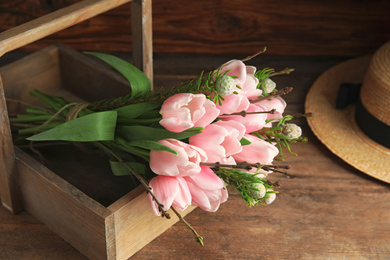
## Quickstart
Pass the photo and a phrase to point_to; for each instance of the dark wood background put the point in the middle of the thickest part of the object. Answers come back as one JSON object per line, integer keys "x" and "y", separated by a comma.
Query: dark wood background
{"x": 329, "y": 211}
{"x": 286, "y": 27}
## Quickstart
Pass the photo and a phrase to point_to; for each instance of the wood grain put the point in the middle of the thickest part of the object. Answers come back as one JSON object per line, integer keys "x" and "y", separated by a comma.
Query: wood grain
{"x": 65, "y": 210}
{"x": 286, "y": 27}
{"x": 328, "y": 211}
{"x": 142, "y": 49}
{"x": 9, "y": 188}
{"x": 58, "y": 20}
{"x": 53, "y": 22}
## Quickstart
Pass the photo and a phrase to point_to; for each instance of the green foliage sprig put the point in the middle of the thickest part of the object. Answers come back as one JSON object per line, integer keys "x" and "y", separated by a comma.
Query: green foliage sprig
{"x": 244, "y": 182}
{"x": 204, "y": 83}
{"x": 275, "y": 135}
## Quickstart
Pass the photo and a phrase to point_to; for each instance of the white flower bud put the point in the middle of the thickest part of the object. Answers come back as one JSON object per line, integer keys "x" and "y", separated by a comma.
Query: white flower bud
{"x": 268, "y": 85}
{"x": 292, "y": 131}
{"x": 225, "y": 85}
{"x": 261, "y": 191}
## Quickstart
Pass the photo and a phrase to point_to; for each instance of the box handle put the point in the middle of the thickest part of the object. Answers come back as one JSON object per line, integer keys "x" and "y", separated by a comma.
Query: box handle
{"x": 56, "y": 21}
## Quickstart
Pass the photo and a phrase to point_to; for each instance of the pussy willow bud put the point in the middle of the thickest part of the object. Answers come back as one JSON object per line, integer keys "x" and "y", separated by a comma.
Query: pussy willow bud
{"x": 225, "y": 85}
{"x": 292, "y": 131}
{"x": 271, "y": 198}
{"x": 268, "y": 85}
{"x": 261, "y": 191}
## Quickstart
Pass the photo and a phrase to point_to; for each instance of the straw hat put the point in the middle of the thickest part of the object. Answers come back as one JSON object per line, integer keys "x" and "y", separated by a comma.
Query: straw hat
{"x": 339, "y": 130}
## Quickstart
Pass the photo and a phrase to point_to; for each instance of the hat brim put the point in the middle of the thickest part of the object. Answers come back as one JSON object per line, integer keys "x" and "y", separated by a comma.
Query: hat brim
{"x": 337, "y": 129}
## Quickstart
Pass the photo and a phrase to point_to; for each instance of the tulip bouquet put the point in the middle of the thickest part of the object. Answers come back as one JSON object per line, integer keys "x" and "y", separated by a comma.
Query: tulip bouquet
{"x": 183, "y": 144}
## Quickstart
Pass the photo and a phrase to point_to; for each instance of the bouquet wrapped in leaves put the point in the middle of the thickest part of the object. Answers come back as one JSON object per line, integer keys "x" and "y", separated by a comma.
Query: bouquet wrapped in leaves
{"x": 183, "y": 144}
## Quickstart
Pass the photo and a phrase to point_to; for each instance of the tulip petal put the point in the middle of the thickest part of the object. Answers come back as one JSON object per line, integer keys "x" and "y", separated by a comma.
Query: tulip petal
{"x": 199, "y": 197}
{"x": 183, "y": 197}
{"x": 206, "y": 179}
{"x": 164, "y": 189}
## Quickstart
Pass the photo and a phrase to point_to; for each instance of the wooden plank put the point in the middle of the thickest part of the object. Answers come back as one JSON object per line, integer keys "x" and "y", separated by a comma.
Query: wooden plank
{"x": 286, "y": 27}
{"x": 53, "y": 22}
{"x": 135, "y": 222}
{"x": 64, "y": 209}
{"x": 141, "y": 15}
{"x": 9, "y": 188}
{"x": 40, "y": 70}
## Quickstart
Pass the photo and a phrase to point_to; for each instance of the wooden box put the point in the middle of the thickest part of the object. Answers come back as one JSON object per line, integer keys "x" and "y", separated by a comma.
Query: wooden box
{"x": 74, "y": 193}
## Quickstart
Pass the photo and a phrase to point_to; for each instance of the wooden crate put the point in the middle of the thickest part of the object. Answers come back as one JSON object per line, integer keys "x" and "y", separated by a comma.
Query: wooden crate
{"x": 73, "y": 192}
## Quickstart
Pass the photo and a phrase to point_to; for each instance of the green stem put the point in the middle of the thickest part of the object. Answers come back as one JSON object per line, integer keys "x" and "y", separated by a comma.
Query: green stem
{"x": 40, "y": 128}
{"x": 47, "y": 99}
{"x": 35, "y": 111}
{"x": 141, "y": 180}
{"x": 139, "y": 121}
{"x": 121, "y": 144}
{"x": 31, "y": 118}
{"x": 199, "y": 239}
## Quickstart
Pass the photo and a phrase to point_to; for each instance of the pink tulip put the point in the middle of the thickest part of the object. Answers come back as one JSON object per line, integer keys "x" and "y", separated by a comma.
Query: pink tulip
{"x": 208, "y": 191}
{"x": 236, "y": 68}
{"x": 220, "y": 141}
{"x": 275, "y": 103}
{"x": 233, "y": 103}
{"x": 245, "y": 77}
{"x": 252, "y": 122}
{"x": 169, "y": 191}
{"x": 248, "y": 84}
{"x": 249, "y": 88}
{"x": 186, "y": 162}
{"x": 259, "y": 151}
{"x": 250, "y": 70}
{"x": 185, "y": 110}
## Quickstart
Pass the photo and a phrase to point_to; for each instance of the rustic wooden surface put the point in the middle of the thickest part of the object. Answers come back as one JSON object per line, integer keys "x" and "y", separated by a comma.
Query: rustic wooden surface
{"x": 288, "y": 27}
{"x": 328, "y": 211}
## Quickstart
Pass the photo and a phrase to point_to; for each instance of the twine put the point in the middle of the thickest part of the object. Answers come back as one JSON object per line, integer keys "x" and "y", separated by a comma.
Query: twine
{"x": 73, "y": 113}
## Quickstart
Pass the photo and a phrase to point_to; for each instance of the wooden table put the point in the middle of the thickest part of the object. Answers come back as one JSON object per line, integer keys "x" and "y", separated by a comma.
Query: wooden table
{"x": 328, "y": 211}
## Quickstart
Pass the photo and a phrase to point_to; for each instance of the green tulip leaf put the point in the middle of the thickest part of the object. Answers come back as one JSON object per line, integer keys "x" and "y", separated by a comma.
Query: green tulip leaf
{"x": 140, "y": 83}
{"x": 135, "y": 110}
{"x": 151, "y": 145}
{"x": 137, "y": 132}
{"x": 98, "y": 126}
{"x": 119, "y": 169}
{"x": 245, "y": 141}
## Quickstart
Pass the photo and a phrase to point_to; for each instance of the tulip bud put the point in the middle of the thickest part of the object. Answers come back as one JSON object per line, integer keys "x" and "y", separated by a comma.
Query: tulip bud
{"x": 225, "y": 85}
{"x": 292, "y": 131}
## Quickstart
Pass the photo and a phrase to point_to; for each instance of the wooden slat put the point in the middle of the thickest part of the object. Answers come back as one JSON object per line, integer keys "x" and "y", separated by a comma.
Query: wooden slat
{"x": 9, "y": 187}
{"x": 141, "y": 11}
{"x": 286, "y": 27}
{"x": 64, "y": 209}
{"x": 53, "y": 22}
{"x": 135, "y": 222}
